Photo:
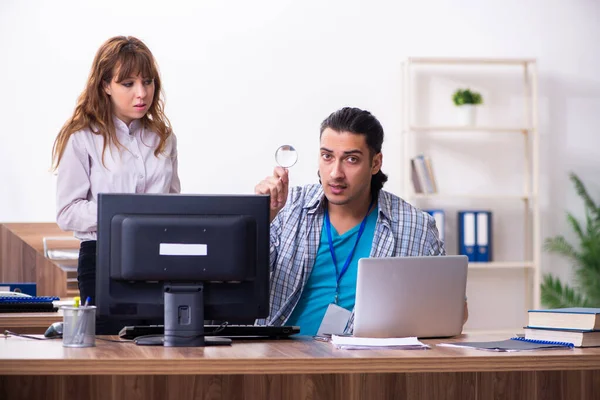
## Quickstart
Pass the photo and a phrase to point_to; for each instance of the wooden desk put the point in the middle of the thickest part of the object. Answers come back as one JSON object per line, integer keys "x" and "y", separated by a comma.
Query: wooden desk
{"x": 292, "y": 369}
{"x": 22, "y": 259}
{"x": 29, "y": 322}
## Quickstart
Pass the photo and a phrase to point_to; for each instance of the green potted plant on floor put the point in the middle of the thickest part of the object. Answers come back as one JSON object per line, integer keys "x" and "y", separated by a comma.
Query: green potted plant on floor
{"x": 585, "y": 259}
{"x": 467, "y": 101}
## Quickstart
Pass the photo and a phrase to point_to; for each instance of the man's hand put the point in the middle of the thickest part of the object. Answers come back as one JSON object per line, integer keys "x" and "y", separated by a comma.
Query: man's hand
{"x": 276, "y": 186}
{"x": 466, "y": 313}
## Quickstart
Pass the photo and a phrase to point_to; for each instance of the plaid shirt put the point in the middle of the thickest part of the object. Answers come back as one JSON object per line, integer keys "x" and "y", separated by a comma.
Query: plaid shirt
{"x": 402, "y": 230}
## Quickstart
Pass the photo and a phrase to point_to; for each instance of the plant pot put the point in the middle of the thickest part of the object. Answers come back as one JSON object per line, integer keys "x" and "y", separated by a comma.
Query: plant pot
{"x": 467, "y": 114}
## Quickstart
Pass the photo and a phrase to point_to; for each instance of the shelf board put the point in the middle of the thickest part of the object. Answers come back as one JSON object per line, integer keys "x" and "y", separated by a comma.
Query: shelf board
{"x": 501, "y": 265}
{"x": 450, "y": 128}
{"x": 467, "y": 60}
{"x": 470, "y": 196}
{"x": 505, "y": 331}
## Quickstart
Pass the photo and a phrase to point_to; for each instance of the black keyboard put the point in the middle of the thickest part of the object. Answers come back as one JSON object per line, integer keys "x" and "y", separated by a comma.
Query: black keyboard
{"x": 230, "y": 331}
{"x": 14, "y": 304}
{"x": 32, "y": 307}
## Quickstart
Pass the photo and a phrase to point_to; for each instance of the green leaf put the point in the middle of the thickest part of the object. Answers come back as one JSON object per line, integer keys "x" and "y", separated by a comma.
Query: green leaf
{"x": 575, "y": 225}
{"x": 560, "y": 245}
{"x": 466, "y": 96}
{"x": 583, "y": 193}
{"x": 556, "y": 295}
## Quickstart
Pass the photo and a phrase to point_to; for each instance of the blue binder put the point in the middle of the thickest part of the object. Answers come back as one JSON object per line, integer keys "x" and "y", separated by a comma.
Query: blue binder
{"x": 21, "y": 287}
{"x": 440, "y": 222}
{"x": 466, "y": 234}
{"x": 483, "y": 229}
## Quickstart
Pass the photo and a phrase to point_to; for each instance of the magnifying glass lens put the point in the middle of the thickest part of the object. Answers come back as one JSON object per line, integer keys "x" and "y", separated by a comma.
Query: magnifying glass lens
{"x": 286, "y": 156}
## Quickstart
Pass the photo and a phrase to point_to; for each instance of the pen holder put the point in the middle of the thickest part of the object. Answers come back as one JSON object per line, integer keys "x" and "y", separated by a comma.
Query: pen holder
{"x": 79, "y": 326}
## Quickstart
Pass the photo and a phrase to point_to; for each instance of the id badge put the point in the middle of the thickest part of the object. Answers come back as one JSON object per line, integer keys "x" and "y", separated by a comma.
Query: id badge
{"x": 335, "y": 320}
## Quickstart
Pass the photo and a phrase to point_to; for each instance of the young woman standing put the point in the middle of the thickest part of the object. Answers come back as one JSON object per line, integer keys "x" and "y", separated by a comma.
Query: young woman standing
{"x": 118, "y": 140}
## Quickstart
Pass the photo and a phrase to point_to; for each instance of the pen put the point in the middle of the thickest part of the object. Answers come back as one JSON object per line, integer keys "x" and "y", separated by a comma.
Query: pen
{"x": 73, "y": 326}
{"x": 83, "y": 324}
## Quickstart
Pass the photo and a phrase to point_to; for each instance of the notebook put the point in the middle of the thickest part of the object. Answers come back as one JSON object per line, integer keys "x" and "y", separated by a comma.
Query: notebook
{"x": 410, "y": 296}
{"x": 513, "y": 344}
{"x": 362, "y": 343}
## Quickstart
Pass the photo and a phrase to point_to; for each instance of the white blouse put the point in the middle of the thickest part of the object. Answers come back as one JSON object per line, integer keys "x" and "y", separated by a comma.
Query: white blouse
{"x": 133, "y": 169}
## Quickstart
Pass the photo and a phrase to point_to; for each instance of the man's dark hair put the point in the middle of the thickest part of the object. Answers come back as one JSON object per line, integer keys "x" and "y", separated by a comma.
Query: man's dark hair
{"x": 360, "y": 122}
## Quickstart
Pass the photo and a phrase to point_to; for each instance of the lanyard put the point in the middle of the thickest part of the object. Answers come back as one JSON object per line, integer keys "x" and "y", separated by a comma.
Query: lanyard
{"x": 361, "y": 229}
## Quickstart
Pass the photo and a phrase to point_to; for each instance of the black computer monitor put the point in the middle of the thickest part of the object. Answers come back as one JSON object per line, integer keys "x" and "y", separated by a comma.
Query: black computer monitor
{"x": 179, "y": 260}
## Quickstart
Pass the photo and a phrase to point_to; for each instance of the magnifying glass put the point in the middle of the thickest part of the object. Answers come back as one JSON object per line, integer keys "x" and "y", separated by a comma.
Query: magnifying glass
{"x": 286, "y": 156}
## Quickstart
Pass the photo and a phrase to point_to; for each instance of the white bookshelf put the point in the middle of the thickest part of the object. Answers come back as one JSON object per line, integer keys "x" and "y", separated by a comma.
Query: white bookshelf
{"x": 526, "y": 200}
{"x": 501, "y": 265}
{"x": 481, "y": 196}
{"x": 441, "y": 128}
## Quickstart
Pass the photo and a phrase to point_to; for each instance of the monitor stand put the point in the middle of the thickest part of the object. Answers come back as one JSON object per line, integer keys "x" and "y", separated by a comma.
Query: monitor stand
{"x": 184, "y": 319}
{"x": 159, "y": 340}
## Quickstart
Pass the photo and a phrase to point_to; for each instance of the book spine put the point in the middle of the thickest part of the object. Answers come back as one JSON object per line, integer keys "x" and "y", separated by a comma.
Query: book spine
{"x": 415, "y": 177}
{"x": 426, "y": 183}
{"x": 429, "y": 168}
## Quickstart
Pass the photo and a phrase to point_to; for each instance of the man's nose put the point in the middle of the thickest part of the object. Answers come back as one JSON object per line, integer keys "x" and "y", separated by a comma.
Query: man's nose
{"x": 336, "y": 170}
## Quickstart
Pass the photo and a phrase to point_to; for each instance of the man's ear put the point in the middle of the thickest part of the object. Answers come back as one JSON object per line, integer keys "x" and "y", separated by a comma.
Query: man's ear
{"x": 106, "y": 87}
{"x": 376, "y": 165}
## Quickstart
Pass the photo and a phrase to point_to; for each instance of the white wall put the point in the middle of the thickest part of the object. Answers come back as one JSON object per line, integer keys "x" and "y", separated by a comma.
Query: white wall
{"x": 243, "y": 77}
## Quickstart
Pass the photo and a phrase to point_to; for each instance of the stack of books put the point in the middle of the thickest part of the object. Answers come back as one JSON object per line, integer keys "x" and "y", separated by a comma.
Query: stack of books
{"x": 577, "y": 325}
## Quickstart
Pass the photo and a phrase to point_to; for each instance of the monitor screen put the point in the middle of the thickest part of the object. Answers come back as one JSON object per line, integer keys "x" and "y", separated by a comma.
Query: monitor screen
{"x": 178, "y": 260}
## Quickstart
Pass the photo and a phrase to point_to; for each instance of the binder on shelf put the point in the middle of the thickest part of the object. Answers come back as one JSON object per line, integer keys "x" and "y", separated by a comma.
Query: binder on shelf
{"x": 466, "y": 234}
{"x": 483, "y": 229}
{"x": 440, "y": 222}
{"x": 475, "y": 235}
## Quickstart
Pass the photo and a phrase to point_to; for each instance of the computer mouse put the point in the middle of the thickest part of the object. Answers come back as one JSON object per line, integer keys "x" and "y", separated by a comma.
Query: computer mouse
{"x": 54, "y": 331}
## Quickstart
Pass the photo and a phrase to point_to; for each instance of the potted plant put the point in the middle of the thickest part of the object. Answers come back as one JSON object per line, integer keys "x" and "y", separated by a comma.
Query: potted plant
{"x": 466, "y": 100}
{"x": 585, "y": 259}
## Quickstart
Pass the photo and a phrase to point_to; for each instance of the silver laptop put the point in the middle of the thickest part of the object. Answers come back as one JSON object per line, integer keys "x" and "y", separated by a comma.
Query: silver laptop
{"x": 410, "y": 296}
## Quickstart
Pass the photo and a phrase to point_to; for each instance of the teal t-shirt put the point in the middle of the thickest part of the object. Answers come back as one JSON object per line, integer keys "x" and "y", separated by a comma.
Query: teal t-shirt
{"x": 319, "y": 291}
